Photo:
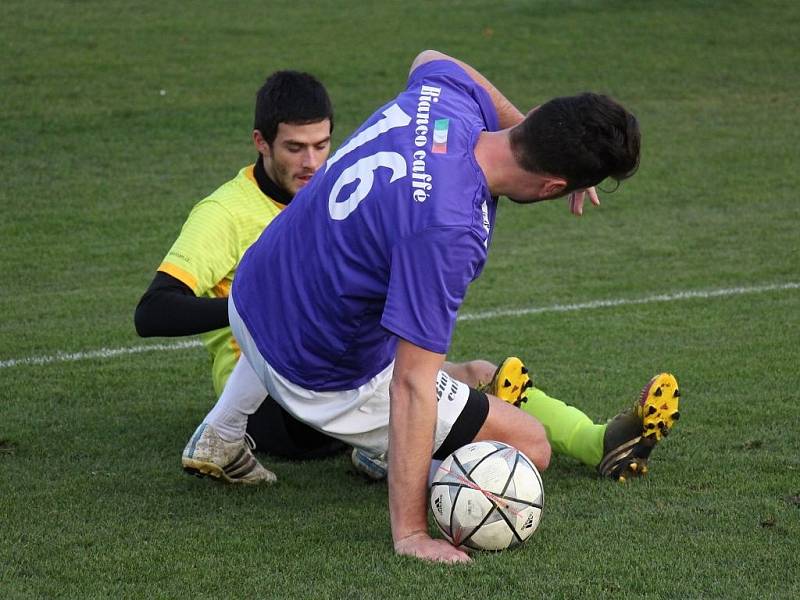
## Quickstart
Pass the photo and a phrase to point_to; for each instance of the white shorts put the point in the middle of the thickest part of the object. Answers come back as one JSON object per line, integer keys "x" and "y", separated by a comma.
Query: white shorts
{"x": 360, "y": 417}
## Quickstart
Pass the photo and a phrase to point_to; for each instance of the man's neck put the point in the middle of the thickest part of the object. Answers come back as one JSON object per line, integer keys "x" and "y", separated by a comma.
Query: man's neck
{"x": 504, "y": 176}
{"x": 494, "y": 157}
{"x": 268, "y": 186}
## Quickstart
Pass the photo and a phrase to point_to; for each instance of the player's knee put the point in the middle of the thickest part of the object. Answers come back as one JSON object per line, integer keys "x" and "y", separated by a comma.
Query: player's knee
{"x": 474, "y": 372}
{"x": 542, "y": 454}
{"x": 480, "y": 371}
{"x": 537, "y": 448}
{"x": 539, "y": 452}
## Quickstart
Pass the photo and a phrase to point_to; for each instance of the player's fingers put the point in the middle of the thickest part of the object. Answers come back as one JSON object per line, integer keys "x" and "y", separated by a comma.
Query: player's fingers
{"x": 576, "y": 203}
{"x": 454, "y": 555}
{"x": 462, "y": 558}
{"x": 593, "y": 196}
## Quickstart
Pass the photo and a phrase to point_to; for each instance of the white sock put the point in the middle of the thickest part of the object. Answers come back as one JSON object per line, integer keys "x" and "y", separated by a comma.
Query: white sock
{"x": 242, "y": 396}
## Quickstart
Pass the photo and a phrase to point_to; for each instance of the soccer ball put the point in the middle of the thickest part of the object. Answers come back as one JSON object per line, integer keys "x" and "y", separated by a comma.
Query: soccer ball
{"x": 487, "y": 496}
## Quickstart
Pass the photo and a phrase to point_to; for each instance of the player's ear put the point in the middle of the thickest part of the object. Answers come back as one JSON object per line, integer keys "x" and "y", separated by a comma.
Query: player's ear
{"x": 553, "y": 186}
{"x": 260, "y": 143}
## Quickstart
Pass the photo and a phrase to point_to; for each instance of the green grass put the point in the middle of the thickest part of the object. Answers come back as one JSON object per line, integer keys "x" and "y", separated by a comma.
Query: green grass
{"x": 100, "y": 169}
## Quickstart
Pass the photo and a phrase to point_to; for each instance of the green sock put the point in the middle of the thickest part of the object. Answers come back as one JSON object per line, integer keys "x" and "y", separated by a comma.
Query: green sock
{"x": 569, "y": 431}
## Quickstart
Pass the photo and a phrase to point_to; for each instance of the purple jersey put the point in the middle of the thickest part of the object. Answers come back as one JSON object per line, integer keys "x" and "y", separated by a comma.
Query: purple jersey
{"x": 382, "y": 243}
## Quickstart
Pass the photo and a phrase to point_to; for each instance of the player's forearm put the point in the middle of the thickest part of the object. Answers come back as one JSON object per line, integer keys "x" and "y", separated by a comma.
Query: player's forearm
{"x": 170, "y": 308}
{"x": 508, "y": 115}
{"x": 411, "y": 427}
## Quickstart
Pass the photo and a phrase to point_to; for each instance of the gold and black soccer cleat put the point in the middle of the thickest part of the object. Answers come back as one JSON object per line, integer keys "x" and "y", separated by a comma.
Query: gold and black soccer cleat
{"x": 510, "y": 382}
{"x": 632, "y": 434}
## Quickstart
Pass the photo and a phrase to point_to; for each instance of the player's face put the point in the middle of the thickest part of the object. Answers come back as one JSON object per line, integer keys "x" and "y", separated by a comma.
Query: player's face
{"x": 296, "y": 153}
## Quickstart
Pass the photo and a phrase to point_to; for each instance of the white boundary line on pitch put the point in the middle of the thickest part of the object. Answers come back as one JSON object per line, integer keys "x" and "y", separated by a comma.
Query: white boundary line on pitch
{"x": 490, "y": 314}
{"x": 479, "y": 316}
{"x": 101, "y": 353}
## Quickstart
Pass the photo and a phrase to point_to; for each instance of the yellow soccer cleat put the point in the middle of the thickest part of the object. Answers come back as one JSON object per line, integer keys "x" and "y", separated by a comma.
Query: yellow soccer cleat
{"x": 658, "y": 406}
{"x": 510, "y": 382}
{"x": 632, "y": 434}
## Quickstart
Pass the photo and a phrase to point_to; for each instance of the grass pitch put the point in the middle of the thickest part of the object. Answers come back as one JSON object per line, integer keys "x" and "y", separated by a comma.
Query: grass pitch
{"x": 116, "y": 118}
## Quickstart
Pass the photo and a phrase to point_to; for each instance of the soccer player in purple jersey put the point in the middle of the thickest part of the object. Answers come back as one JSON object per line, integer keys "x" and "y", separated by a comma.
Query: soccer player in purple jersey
{"x": 364, "y": 273}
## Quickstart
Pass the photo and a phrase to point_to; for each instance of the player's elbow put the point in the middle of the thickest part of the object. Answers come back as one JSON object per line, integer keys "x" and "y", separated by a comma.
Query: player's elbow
{"x": 407, "y": 394}
{"x": 142, "y": 318}
{"x": 399, "y": 390}
{"x": 427, "y": 56}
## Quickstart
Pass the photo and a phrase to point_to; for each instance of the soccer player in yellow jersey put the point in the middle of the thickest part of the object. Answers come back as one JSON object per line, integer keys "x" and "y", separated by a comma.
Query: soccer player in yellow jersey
{"x": 189, "y": 294}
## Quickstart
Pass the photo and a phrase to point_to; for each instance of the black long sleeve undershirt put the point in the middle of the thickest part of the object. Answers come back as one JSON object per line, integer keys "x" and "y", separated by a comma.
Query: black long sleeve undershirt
{"x": 170, "y": 308}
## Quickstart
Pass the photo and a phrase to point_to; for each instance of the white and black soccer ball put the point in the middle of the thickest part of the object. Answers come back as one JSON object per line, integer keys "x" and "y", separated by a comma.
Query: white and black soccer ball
{"x": 487, "y": 496}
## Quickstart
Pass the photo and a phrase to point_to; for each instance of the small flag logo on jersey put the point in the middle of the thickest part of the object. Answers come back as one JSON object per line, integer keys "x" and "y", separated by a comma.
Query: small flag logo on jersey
{"x": 440, "y": 127}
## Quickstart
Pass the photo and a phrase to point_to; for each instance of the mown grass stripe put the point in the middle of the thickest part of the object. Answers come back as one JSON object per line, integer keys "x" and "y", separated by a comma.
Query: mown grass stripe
{"x": 478, "y": 316}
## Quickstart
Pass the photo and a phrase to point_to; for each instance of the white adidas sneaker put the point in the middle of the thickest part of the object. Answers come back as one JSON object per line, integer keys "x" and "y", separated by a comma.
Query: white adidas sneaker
{"x": 233, "y": 462}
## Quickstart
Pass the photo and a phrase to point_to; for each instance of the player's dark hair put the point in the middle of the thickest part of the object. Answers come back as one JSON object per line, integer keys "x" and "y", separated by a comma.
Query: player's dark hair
{"x": 290, "y": 97}
{"x": 584, "y": 139}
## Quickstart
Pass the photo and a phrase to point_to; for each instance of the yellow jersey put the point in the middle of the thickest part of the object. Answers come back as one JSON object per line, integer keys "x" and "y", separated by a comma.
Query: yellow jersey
{"x": 211, "y": 243}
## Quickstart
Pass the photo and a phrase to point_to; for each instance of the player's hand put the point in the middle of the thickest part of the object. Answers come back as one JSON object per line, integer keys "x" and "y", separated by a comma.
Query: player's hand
{"x": 577, "y": 197}
{"x": 423, "y": 546}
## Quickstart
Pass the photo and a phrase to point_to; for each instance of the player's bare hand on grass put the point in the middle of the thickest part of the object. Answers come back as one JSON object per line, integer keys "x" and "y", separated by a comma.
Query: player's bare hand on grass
{"x": 421, "y": 545}
{"x": 577, "y": 197}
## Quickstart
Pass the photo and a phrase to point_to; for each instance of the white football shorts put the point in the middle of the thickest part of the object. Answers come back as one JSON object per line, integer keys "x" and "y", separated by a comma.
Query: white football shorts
{"x": 360, "y": 417}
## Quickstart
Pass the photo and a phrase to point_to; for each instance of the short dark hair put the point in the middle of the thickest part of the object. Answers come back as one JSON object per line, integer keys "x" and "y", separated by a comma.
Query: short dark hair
{"x": 584, "y": 139}
{"x": 290, "y": 97}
